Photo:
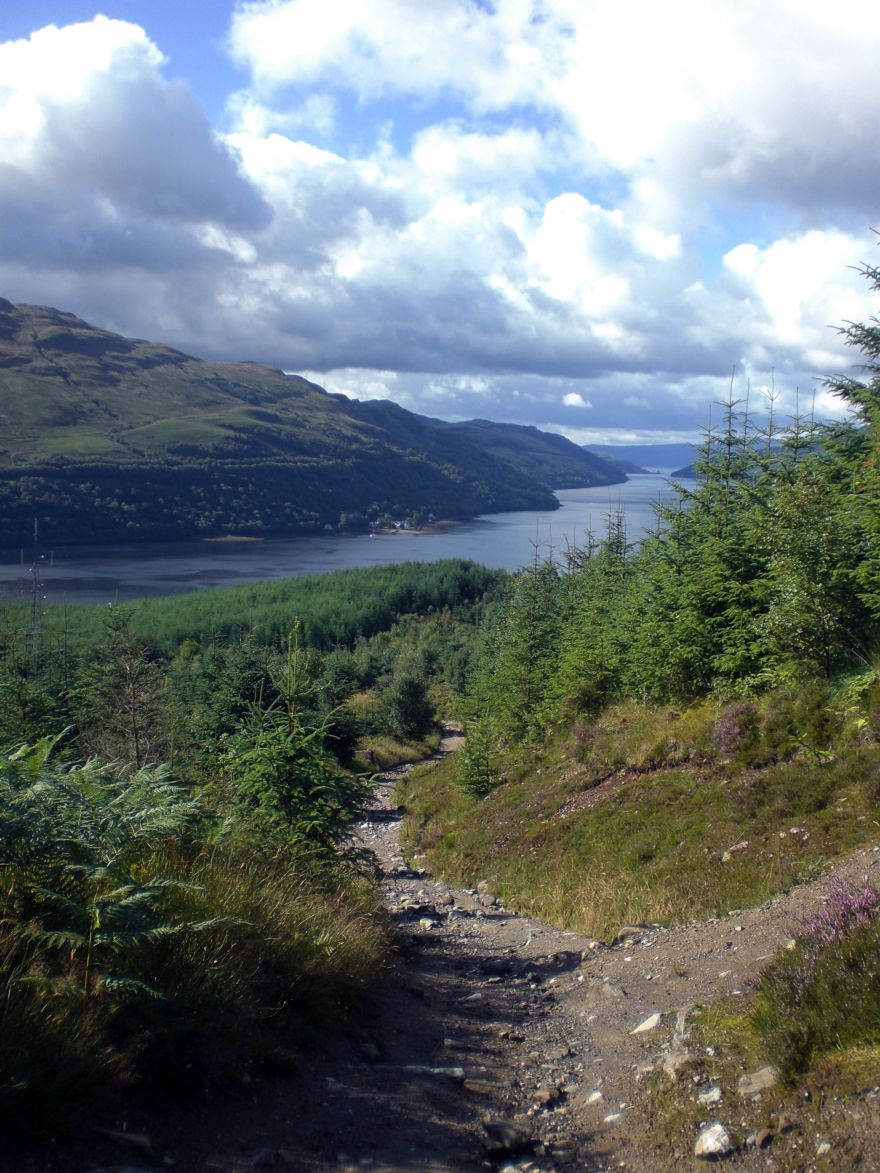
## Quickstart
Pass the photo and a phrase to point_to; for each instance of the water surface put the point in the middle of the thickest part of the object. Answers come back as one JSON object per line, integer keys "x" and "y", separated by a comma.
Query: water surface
{"x": 507, "y": 541}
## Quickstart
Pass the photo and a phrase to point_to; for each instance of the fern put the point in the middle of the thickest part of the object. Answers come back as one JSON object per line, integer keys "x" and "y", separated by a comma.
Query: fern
{"x": 76, "y": 844}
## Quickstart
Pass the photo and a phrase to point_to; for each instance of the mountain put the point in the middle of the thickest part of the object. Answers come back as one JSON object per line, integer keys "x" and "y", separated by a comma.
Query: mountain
{"x": 625, "y": 466}
{"x": 650, "y": 456}
{"x": 105, "y": 438}
{"x": 545, "y": 456}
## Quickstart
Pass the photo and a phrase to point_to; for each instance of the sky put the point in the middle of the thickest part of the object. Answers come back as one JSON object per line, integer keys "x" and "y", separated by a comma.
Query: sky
{"x": 593, "y": 216}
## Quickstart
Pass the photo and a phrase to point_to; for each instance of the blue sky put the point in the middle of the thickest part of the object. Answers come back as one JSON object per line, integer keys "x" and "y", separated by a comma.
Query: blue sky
{"x": 580, "y": 214}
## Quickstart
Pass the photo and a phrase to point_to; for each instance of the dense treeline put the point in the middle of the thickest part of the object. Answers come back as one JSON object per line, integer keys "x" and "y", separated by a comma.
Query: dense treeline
{"x": 763, "y": 574}
{"x": 181, "y": 497}
{"x": 164, "y": 679}
{"x": 175, "y": 785}
{"x": 332, "y": 610}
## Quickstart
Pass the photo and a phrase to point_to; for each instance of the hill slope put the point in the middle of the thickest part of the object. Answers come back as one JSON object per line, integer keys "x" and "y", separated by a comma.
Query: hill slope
{"x": 105, "y": 438}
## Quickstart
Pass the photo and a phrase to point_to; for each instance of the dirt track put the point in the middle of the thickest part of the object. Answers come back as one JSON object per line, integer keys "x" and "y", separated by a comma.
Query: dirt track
{"x": 495, "y": 1041}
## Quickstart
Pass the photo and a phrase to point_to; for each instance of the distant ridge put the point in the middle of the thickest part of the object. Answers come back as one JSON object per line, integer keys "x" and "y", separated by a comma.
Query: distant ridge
{"x": 650, "y": 456}
{"x": 110, "y": 439}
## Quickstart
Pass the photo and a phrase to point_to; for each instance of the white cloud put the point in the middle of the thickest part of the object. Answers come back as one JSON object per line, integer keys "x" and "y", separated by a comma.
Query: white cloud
{"x": 316, "y": 114}
{"x": 534, "y": 204}
{"x": 61, "y": 63}
{"x": 390, "y": 46}
{"x": 103, "y": 162}
{"x": 662, "y": 246}
{"x": 696, "y": 97}
{"x": 568, "y": 250}
{"x": 357, "y": 383}
{"x": 450, "y": 156}
{"x": 789, "y": 291}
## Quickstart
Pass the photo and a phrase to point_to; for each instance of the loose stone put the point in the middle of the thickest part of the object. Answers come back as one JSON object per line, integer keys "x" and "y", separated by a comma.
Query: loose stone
{"x": 751, "y": 1086}
{"x": 506, "y": 1136}
{"x": 713, "y": 1141}
{"x": 710, "y": 1097}
{"x": 652, "y": 1021}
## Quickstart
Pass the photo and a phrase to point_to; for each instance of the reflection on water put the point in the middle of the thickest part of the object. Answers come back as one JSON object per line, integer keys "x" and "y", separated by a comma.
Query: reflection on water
{"x": 101, "y": 574}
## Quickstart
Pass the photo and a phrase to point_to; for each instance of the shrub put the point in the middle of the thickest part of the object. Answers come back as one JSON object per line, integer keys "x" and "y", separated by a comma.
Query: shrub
{"x": 736, "y": 729}
{"x": 824, "y": 994}
{"x": 278, "y": 771}
{"x": 406, "y": 708}
{"x": 473, "y": 765}
{"x": 132, "y": 948}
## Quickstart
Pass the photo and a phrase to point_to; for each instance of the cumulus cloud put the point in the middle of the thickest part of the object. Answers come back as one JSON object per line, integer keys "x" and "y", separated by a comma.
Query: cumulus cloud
{"x": 776, "y": 303}
{"x": 394, "y": 46}
{"x": 575, "y": 399}
{"x": 103, "y": 162}
{"x": 739, "y": 100}
{"x": 464, "y": 207}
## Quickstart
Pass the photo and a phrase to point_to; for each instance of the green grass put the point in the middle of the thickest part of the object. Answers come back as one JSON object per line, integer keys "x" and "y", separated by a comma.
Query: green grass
{"x": 383, "y": 752}
{"x": 164, "y": 433}
{"x": 641, "y": 816}
{"x": 823, "y": 995}
{"x": 77, "y": 442}
{"x": 824, "y": 1101}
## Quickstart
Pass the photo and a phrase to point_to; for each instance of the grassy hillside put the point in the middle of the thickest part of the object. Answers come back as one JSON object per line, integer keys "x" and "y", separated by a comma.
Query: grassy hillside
{"x": 647, "y": 814}
{"x": 549, "y": 457}
{"x": 104, "y": 438}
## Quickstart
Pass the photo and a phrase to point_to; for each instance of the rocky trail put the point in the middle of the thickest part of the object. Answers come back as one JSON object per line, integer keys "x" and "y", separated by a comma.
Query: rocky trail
{"x": 495, "y": 1042}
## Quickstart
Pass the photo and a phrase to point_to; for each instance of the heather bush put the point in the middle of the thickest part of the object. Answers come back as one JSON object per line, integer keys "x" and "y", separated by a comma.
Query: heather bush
{"x": 736, "y": 729}
{"x": 824, "y": 994}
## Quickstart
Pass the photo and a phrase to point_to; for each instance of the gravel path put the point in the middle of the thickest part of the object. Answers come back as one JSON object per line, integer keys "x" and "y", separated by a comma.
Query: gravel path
{"x": 495, "y": 1041}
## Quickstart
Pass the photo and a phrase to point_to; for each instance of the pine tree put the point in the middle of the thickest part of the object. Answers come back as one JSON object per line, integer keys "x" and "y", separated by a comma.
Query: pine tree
{"x": 596, "y": 623}
{"x": 854, "y": 449}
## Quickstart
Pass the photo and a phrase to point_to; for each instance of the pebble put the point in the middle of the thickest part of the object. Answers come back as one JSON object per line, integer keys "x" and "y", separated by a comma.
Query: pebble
{"x": 750, "y": 1086}
{"x": 424, "y": 1069}
{"x": 649, "y": 1023}
{"x": 674, "y": 1061}
{"x": 505, "y": 1136}
{"x": 710, "y": 1097}
{"x": 481, "y": 1087}
{"x": 562, "y": 1146}
{"x": 713, "y": 1141}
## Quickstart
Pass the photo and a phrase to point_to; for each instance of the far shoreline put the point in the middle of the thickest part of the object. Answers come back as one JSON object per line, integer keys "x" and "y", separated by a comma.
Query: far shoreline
{"x": 434, "y": 527}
